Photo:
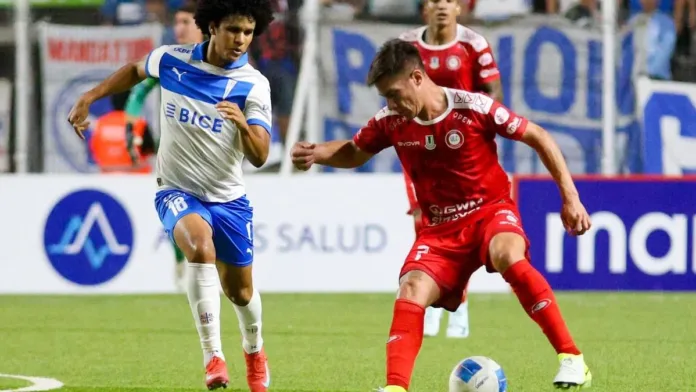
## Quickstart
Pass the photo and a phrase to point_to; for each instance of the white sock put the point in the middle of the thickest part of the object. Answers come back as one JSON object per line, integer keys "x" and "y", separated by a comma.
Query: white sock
{"x": 204, "y": 299}
{"x": 250, "y": 324}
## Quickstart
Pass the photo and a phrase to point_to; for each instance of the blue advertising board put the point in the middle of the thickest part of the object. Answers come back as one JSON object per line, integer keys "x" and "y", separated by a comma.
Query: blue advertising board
{"x": 642, "y": 235}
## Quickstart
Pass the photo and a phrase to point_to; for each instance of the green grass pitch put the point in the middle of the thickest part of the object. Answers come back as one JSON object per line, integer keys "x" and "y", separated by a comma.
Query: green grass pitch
{"x": 633, "y": 342}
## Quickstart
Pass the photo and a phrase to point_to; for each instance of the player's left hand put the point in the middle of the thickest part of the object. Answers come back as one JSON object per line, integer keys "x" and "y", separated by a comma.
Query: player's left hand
{"x": 231, "y": 111}
{"x": 575, "y": 218}
{"x": 78, "y": 117}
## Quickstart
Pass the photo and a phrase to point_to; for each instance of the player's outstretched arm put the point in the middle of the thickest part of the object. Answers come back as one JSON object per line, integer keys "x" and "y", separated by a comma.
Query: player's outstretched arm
{"x": 343, "y": 154}
{"x": 126, "y": 77}
{"x": 123, "y": 79}
{"x": 575, "y": 217}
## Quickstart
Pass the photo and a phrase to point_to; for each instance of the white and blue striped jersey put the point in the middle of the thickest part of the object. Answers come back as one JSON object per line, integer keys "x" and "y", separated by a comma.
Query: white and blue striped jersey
{"x": 200, "y": 152}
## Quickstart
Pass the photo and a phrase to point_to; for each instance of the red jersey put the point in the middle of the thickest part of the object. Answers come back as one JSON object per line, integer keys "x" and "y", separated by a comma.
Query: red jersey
{"x": 453, "y": 159}
{"x": 466, "y": 63}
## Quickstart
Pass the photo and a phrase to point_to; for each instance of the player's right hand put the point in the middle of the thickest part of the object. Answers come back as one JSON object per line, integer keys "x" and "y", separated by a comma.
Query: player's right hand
{"x": 575, "y": 218}
{"x": 302, "y": 154}
{"x": 78, "y": 117}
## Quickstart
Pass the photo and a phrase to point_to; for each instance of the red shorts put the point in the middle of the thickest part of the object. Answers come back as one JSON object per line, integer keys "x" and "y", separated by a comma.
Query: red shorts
{"x": 451, "y": 253}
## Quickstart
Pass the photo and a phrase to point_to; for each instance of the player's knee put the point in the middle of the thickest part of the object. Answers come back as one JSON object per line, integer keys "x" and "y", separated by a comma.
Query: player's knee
{"x": 418, "y": 287}
{"x": 194, "y": 237}
{"x": 200, "y": 249}
{"x": 506, "y": 249}
{"x": 240, "y": 296}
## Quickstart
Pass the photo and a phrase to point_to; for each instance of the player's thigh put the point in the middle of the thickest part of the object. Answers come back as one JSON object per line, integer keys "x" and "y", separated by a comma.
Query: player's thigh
{"x": 504, "y": 241}
{"x": 433, "y": 275}
{"x": 187, "y": 223}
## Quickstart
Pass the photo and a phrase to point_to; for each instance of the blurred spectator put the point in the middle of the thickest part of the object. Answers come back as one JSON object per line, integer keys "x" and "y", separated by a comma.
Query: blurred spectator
{"x": 132, "y": 12}
{"x": 277, "y": 58}
{"x": 123, "y": 12}
{"x": 340, "y": 9}
{"x": 656, "y": 30}
{"x": 498, "y": 10}
{"x": 584, "y": 13}
{"x": 391, "y": 8}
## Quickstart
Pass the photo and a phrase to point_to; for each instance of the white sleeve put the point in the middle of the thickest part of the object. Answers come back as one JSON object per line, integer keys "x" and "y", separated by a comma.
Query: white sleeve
{"x": 152, "y": 63}
{"x": 257, "y": 109}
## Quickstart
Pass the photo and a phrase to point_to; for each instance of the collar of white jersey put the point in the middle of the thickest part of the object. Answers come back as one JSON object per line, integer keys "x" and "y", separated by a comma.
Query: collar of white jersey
{"x": 199, "y": 55}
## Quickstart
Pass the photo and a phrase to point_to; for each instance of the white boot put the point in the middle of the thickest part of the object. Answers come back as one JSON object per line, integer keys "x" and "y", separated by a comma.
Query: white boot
{"x": 432, "y": 321}
{"x": 458, "y": 325}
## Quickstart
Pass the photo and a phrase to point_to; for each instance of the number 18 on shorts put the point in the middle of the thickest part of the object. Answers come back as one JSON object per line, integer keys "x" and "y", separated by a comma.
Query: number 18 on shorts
{"x": 231, "y": 223}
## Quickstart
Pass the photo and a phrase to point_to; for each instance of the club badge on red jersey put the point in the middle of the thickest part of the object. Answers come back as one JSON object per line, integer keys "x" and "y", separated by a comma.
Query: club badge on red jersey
{"x": 454, "y": 139}
{"x": 430, "y": 142}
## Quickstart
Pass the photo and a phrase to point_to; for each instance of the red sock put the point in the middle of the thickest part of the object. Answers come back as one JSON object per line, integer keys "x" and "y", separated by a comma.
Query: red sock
{"x": 405, "y": 339}
{"x": 537, "y": 299}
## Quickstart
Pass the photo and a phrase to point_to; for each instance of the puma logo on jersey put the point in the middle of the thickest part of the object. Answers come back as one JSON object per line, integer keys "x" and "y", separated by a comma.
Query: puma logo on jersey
{"x": 178, "y": 74}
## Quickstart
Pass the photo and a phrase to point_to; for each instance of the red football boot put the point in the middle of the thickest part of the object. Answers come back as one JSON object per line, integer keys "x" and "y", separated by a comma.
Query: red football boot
{"x": 216, "y": 374}
{"x": 258, "y": 375}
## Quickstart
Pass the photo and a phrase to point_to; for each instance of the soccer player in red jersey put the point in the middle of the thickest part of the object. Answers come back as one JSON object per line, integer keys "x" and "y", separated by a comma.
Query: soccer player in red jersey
{"x": 468, "y": 216}
{"x": 457, "y": 57}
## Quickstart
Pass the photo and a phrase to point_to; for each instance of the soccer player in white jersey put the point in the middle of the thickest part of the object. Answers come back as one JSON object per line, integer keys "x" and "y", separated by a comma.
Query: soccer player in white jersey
{"x": 215, "y": 112}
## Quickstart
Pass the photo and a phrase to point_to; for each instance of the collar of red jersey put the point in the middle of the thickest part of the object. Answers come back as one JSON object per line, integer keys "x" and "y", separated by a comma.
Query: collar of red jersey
{"x": 450, "y": 106}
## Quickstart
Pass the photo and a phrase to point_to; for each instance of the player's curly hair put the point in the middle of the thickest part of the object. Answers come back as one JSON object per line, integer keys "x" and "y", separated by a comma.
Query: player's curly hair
{"x": 392, "y": 58}
{"x": 214, "y": 11}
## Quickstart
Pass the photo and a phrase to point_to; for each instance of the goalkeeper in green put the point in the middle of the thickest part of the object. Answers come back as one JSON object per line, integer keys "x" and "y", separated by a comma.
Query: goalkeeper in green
{"x": 186, "y": 32}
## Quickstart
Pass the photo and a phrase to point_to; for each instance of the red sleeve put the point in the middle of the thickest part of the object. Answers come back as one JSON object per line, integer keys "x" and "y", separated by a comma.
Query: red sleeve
{"x": 411, "y": 193}
{"x": 495, "y": 117}
{"x": 372, "y": 138}
{"x": 486, "y": 69}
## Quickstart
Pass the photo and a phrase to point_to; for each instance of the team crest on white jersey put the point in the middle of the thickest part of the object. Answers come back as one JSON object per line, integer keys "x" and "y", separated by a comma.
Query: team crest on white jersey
{"x": 454, "y": 139}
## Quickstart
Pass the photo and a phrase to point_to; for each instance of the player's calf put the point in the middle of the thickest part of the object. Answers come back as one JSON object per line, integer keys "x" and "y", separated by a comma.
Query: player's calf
{"x": 417, "y": 290}
{"x": 507, "y": 251}
{"x": 238, "y": 287}
{"x": 193, "y": 236}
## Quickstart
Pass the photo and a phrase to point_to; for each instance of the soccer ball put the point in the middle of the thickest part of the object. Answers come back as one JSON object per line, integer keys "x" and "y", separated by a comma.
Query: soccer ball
{"x": 477, "y": 374}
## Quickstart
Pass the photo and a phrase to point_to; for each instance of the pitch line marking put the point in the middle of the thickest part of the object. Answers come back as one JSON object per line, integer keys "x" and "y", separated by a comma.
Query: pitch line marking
{"x": 37, "y": 383}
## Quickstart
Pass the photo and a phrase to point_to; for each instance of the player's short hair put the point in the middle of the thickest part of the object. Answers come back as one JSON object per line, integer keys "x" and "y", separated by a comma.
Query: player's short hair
{"x": 188, "y": 7}
{"x": 215, "y": 11}
{"x": 394, "y": 57}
